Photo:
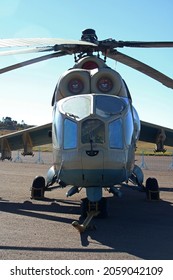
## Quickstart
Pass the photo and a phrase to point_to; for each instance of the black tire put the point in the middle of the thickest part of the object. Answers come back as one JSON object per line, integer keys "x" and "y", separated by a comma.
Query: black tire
{"x": 38, "y": 186}
{"x": 39, "y": 182}
{"x": 152, "y": 185}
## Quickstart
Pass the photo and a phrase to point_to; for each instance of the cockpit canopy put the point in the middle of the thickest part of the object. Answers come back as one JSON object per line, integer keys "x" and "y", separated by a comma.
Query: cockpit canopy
{"x": 82, "y": 106}
{"x": 101, "y": 119}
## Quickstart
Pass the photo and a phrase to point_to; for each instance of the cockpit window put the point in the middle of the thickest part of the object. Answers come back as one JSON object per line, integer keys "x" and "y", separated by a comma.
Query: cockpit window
{"x": 93, "y": 130}
{"x": 78, "y": 108}
{"x": 70, "y": 134}
{"x": 115, "y": 134}
{"x": 129, "y": 128}
{"x": 107, "y": 106}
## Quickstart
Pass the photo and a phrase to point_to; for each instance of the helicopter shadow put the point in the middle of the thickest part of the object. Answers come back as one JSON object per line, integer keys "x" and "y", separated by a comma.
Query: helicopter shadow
{"x": 134, "y": 226}
{"x": 41, "y": 210}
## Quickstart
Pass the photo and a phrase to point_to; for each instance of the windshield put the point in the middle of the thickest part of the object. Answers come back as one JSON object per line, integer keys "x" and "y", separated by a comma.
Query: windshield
{"x": 129, "y": 128}
{"x": 108, "y": 105}
{"x": 115, "y": 134}
{"x": 77, "y": 107}
{"x": 93, "y": 130}
{"x": 70, "y": 134}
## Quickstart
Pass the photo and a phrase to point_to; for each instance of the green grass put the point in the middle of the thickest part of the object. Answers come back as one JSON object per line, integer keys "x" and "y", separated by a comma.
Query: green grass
{"x": 142, "y": 147}
{"x": 43, "y": 148}
{"x": 148, "y": 149}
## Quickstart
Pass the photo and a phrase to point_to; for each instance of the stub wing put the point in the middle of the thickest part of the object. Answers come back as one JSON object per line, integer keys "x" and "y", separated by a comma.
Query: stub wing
{"x": 25, "y": 139}
{"x": 156, "y": 134}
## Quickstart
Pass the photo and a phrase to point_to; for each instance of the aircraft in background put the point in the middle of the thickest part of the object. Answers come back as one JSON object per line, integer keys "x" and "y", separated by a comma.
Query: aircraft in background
{"x": 95, "y": 127}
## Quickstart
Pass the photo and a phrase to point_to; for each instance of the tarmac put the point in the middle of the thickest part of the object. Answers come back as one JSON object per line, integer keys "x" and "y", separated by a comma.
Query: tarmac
{"x": 41, "y": 229}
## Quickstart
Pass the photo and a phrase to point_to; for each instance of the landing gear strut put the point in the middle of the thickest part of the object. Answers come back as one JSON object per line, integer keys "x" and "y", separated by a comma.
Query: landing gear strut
{"x": 82, "y": 227}
{"x": 89, "y": 211}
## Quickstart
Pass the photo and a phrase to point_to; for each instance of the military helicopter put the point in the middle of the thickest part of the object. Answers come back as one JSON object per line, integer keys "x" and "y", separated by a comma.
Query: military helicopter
{"x": 95, "y": 127}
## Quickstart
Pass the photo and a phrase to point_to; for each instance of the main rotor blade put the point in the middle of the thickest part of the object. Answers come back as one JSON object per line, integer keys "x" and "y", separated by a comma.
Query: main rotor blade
{"x": 141, "y": 67}
{"x": 140, "y": 44}
{"x": 31, "y": 61}
{"x": 27, "y": 51}
{"x": 43, "y": 45}
{"x": 30, "y": 42}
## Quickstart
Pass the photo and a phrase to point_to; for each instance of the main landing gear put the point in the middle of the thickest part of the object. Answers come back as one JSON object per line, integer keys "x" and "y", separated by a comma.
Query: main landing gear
{"x": 38, "y": 188}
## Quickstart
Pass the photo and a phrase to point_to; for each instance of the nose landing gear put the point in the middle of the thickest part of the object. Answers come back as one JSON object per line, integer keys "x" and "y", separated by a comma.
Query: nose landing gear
{"x": 82, "y": 227}
{"x": 89, "y": 211}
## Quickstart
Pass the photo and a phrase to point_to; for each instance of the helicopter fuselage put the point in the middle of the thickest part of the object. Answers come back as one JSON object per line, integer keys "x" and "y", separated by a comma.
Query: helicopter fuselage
{"x": 94, "y": 129}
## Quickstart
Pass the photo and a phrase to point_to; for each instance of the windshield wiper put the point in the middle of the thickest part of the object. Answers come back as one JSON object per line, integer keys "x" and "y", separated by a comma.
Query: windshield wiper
{"x": 71, "y": 115}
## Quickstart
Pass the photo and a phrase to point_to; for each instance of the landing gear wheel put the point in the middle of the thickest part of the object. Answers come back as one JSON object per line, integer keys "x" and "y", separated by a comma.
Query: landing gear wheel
{"x": 152, "y": 189}
{"x": 101, "y": 206}
{"x": 38, "y": 187}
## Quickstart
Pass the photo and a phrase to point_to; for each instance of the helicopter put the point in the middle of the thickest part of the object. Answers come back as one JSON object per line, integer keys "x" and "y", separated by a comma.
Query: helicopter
{"x": 95, "y": 127}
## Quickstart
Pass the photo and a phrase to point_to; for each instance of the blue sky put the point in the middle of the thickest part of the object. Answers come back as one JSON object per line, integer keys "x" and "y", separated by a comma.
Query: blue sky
{"x": 26, "y": 93}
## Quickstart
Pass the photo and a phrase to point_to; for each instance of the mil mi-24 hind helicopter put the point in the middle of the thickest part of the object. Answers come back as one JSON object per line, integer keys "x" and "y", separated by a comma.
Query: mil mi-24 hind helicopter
{"x": 95, "y": 127}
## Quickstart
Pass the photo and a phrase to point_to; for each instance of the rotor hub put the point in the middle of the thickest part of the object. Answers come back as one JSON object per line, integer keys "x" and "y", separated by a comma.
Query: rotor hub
{"x": 89, "y": 35}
